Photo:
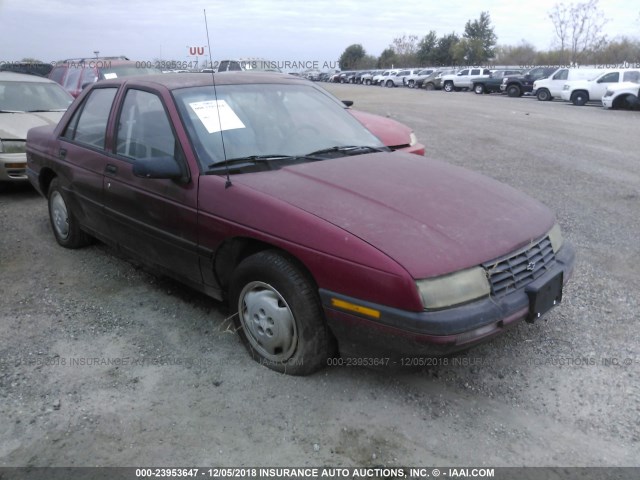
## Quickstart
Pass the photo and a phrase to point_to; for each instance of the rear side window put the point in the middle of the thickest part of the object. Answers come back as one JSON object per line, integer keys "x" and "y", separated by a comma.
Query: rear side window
{"x": 89, "y": 123}
{"x": 632, "y": 76}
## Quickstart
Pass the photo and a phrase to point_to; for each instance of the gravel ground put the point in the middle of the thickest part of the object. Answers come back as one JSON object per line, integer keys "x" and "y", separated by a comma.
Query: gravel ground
{"x": 105, "y": 364}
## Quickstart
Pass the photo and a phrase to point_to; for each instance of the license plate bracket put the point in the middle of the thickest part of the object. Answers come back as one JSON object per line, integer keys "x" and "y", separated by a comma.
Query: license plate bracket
{"x": 543, "y": 296}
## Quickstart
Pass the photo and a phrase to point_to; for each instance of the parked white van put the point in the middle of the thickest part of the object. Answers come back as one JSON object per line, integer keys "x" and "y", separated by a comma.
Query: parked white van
{"x": 551, "y": 87}
{"x": 580, "y": 92}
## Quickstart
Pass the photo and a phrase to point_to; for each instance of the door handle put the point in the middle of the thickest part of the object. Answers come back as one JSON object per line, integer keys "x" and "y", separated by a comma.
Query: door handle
{"x": 62, "y": 153}
{"x": 111, "y": 168}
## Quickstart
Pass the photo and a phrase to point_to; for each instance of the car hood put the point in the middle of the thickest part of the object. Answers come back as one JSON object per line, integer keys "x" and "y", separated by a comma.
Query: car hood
{"x": 431, "y": 217}
{"x": 16, "y": 125}
{"x": 390, "y": 132}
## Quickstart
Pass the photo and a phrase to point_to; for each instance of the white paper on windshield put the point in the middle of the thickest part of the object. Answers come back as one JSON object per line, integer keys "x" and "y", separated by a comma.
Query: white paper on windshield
{"x": 110, "y": 76}
{"x": 216, "y": 115}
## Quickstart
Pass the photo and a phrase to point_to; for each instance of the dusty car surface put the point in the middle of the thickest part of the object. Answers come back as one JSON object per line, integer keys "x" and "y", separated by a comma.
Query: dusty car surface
{"x": 25, "y": 101}
{"x": 265, "y": 192}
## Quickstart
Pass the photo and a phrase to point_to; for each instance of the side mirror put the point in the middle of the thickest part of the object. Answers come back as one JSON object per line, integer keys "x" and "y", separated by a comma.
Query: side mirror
{"x": 348, "y": 103}
{"x": 158, "y": 167}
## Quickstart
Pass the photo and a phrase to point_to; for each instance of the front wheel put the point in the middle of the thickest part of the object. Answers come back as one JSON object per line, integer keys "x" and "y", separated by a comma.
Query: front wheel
{"x": 448, "y": 87}
{"x": 429, "y": 86}
{"x": 513, "y": 91}
{"x": 479, "y": 89}
{"x": 389, "y": 83}
{"x": 66, "y": 227}
{"x": 579, "y": 98}
{"x": 543, "y": 95}
{"x": 280, "y": 318}
{"x": 411, "y": 83}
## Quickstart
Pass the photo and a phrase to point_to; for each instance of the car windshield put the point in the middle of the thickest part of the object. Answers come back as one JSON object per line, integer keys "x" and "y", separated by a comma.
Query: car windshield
{"x": 33, "y": 97}
{"x": 269, "y": 121}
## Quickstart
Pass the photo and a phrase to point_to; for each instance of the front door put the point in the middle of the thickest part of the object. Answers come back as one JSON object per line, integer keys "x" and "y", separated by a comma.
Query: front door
{"x": 155, "y": 219}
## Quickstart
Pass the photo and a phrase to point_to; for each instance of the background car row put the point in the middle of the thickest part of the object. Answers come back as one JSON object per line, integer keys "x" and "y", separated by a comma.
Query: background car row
{"x": 611, "y": 87}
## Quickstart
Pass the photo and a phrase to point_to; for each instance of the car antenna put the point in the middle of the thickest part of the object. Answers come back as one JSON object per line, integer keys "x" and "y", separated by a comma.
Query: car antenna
{"x": 215, "y": 94}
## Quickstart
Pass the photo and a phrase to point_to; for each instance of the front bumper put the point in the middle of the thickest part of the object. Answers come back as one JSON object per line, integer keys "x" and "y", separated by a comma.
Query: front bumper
{"x": 433, "y": 332}
{"x": 607, "y": 102}
{"x": 13, "y": 167}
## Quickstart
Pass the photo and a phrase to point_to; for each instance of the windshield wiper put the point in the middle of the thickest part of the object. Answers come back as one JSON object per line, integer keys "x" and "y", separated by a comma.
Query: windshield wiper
{"x": 251, "y": 160}
{"x": 347, "y": 149}
{"x": 47, "y": 110}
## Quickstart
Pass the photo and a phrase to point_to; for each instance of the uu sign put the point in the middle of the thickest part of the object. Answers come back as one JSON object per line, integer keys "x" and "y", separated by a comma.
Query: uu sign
{"x": 196, "y": 51}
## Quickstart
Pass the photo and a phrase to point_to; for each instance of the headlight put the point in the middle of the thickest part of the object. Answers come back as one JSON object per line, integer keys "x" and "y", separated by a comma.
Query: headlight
{"x": 412, "y": 139}
{"x": 13, "y": 146}
{"x": 535, "y": 86}
{"x": 453, "y": 289}
{"x": 608, "y": 93}
{"x": 555, "y": 235}
{"x": 566, "y": 87}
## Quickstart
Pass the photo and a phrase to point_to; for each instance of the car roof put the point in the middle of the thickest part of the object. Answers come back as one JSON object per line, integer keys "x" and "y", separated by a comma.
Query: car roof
{"x": 23, "y": 77}
{"x": 186, "y": 80}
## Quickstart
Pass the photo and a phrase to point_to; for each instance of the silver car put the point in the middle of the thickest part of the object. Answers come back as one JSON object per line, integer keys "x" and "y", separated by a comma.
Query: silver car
{"x": 26, "y": 101}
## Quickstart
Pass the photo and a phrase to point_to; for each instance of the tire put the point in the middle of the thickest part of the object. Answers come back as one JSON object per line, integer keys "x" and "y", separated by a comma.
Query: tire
{"x": 544, "y": 95}
{"x": 478, "y": 88}
{"x": 430, "y": 86}
{"x": 66, "y": 227}
{"x": 411, "y": 83}
{"x": 448, "y": 87}
{"x": 279, "y": 315}
{"x": 579, "y": 98}
{"x": 367, "y": 82}
{"x": 513, "y": 91}
{"x": 390, "y": 83}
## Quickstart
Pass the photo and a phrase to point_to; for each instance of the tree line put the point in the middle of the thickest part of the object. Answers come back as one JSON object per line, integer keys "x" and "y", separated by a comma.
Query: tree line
{"x": 578, "y": 34}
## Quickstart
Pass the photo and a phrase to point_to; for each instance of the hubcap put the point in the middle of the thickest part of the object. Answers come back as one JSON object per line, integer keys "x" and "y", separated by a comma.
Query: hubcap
{"x": 268, "y": 321}
{"x": 59, "y": 215}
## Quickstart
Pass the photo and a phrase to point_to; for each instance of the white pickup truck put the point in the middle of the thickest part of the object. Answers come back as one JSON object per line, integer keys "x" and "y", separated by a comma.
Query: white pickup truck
{"x": 463, "y": 79}
{"x": 580, "y": 92}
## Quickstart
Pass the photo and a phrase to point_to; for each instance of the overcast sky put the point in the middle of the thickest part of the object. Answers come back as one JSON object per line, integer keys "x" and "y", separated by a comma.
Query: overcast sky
{"x": 312, "y": 30}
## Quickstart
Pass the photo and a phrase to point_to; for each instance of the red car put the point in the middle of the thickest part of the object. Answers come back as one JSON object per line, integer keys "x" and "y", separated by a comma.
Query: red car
{"x": 262, "y": 190}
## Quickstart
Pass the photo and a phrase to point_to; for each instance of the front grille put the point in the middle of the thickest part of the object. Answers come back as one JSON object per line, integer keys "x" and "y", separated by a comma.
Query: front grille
{"x": 516, "y": 270}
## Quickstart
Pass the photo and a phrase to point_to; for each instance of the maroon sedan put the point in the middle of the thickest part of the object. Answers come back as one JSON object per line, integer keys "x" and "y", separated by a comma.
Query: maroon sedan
{"x": 263, "y": 191}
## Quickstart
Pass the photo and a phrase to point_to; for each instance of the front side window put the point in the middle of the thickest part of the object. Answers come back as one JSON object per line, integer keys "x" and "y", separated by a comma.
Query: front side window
{"x": 612, "y": 77}
{"x": 562, "y": 75}
{"x": 144, "y": 130}
{"x": 89, "y": 122}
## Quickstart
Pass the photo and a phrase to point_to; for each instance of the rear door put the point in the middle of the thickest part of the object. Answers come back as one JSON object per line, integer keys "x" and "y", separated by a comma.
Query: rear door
{"x": 154, "y": 219}
{"x": 83, "y": 158}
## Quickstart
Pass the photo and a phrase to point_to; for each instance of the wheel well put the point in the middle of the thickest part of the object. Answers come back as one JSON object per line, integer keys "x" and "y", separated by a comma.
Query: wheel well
{"x": 44, "y": 178}
{"x": 623, "y": 101}
{"x": 234, "y": 250}
{"x": 575, "y": 92}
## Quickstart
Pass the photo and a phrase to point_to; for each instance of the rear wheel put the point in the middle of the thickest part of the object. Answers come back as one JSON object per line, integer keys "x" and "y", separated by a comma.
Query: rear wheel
{"x": 448, "y": 86}
{"x": 544, "y": 95}
{"x": 389, "y": 83}
{"x": 411, "y": 83}
{"x": 66, "y": 227}
{"x": 513, "y": 91}
{"x": 579, "y": 98}
{"x": 280, "y": 318}
{"x": 429, "y": 86}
